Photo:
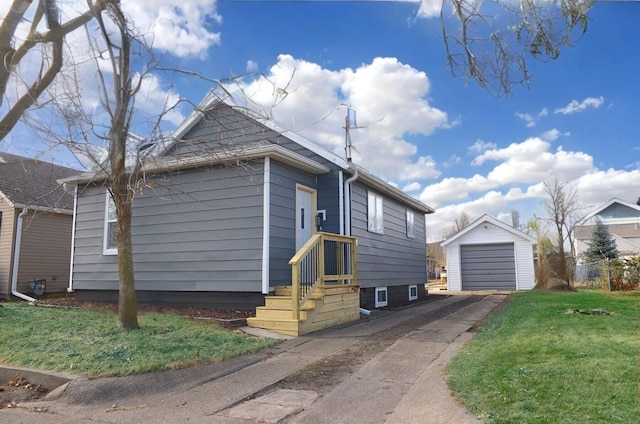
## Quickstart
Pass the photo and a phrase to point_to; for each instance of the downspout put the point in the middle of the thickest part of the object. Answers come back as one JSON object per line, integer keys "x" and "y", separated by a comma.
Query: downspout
{"x": 347, "y": 219}
{"x": 16, "y": 259}
{"x": 266, "y": 223}
{"x": 73, "y": 234}
{"x": 347, "y": 202}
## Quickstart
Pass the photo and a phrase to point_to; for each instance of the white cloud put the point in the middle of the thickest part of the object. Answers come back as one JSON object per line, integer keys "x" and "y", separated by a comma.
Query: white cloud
{"x": 527, "y": 118}
{"x": 389, "y": 98}
{"x": 252, "y": 66}
{"x": 575, "y": 106}
{"x": 452, "y": 161}
{"x": 154, "y": 99}
{"x": 411, "y": 187}
{"x": 550, "y": 135}
{"x": 480, "y": 146}
{"x": 531, "y": 120}
{"x": 523, "y": 163}
{"x": 177, "y": 26}
{"x": 429, "y": 8}
{"x": 531, "y": 161}
{"x": 599, "y": 186}
{"x": 517, "y": 182}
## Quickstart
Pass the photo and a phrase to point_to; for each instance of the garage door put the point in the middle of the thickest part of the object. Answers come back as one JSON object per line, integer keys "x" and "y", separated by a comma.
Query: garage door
{"x": 488, "y": 267}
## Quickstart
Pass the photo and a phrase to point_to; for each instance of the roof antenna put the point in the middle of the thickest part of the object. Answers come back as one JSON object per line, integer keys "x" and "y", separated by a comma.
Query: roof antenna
{"x": 349, "y": 123}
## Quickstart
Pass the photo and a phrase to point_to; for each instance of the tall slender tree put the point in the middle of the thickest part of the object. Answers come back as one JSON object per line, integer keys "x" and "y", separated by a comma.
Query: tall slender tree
{"x": 561, "y": 206}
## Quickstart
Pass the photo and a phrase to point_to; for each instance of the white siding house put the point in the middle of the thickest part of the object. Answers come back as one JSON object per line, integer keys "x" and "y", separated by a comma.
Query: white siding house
{"x": 489, "y": 255}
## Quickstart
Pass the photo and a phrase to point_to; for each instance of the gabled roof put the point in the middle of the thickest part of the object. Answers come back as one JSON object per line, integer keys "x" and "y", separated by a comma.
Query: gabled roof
{"x": 213, "y": 98}
{"x": 33, "y": 183}
{"x": 158, "y": 159}
{"x": 598, "y": 209}
{"x": 215, "y": 157}
{"x": 486, "y": 218}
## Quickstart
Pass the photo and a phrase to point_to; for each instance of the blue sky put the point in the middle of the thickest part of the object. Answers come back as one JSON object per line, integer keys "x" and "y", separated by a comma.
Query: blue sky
{"x": 450, "y": 144}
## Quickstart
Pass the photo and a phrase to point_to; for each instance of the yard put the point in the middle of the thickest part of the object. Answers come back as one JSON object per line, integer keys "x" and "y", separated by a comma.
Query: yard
{"x": 87, "y": 342}
{"x": 554, "y": 357}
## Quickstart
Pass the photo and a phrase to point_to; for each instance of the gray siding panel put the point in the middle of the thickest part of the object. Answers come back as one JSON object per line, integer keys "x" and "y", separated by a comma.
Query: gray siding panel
{"x": 329, "y": 200}
{"x": 195, "y": 230}
{"x": 488, "y": 266}
{"x": 282, "y": 243}
{"x": 392, "y": 258}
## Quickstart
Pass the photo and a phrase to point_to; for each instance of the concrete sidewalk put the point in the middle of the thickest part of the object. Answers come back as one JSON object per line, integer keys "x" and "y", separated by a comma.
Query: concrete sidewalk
{"x": 400, "y": 384}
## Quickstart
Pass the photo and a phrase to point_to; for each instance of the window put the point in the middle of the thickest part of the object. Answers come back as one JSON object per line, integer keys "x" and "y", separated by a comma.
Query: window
{"x": 374, "y": 209}
{"x": 110, "y": 246}
{"x": 413, "y": 292}
{"x": 410, "y": 224}
{"x": 381, "y": 297}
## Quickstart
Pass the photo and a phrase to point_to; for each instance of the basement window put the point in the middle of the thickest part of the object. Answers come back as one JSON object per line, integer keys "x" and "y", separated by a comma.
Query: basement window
{"x": 413, "y": 292}
{"x": 381, "y": 297}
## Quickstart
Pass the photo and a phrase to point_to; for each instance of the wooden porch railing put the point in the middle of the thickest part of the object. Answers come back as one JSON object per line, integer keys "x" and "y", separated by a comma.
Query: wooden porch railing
{"x": 324, "y": 258}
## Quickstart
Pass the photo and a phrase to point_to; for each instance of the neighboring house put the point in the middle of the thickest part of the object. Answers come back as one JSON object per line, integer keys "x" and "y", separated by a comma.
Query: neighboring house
{"x": 229, "y": 201}
{"x": 436, "y": 260}
{"x": 622, "y": 219}
{"x": 35, "y": 227}
{"x": 490, "y": 255}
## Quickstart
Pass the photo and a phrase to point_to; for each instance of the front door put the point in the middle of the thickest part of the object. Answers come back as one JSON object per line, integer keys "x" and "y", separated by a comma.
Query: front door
{"x": 305, "y": 211}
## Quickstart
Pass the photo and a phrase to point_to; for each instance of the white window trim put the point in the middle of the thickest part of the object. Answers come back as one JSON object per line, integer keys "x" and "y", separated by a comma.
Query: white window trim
{"x": 381, "y": 304}
{"x": 375, "y": 209}
{"x": 411, "y": 288}
{"x": 106, "y": 250}
{"x": 411, "y": 222}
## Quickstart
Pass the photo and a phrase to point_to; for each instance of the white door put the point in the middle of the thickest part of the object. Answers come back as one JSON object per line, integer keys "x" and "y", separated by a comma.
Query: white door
{"x": 304, "y": 216}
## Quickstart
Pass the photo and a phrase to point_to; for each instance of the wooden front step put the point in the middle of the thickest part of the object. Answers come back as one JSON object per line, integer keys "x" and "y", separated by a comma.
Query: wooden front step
{"x": 267, "y": 312}
{"x": 329, "y": 306}
{"x": 286, "y": 302}
{"x": 289, "y": 327}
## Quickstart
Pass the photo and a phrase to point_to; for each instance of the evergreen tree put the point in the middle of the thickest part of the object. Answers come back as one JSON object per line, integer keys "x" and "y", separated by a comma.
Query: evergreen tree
{"x": 602, "y": 244}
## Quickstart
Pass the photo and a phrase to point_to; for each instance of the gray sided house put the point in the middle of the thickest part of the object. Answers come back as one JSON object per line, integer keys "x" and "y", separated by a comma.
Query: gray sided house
{"x": 35, "y": 228}
{"x": 623, "y": 222}
{"x": 228, "y": 203}
{"x": 489, "y": 255}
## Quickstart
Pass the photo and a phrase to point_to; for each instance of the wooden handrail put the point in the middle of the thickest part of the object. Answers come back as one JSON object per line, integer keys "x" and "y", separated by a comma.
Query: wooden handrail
{"x": 309, "y": 266}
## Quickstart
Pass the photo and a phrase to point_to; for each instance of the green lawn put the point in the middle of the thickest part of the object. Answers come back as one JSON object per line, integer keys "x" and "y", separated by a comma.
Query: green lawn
{"x": 88, "y": 342}
{"x": 531, "y": 362}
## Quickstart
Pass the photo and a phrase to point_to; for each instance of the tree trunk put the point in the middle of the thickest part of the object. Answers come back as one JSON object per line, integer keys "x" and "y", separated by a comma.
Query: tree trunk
{"x": 127, "y": 299}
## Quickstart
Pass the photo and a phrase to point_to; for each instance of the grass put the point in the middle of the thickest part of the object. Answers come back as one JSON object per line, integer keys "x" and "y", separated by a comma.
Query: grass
{"x": 87, "y": 342}
{"x": 533, "y": 363}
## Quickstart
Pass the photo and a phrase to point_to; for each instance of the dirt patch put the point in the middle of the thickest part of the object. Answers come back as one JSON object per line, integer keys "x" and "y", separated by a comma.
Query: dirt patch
{"x": 325, "y": 374}
{"x": 189, "y": 312}
{"x": 20, "y": 390}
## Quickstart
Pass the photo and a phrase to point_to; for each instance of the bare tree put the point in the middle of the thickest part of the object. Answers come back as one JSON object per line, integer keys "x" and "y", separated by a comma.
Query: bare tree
{"x": 492, "y": 42}
{"x": 561, "y": 206}
{"x": 103, "y": 135}
{"x": 461, "y": 223}
{"x": 544, "y": 247}
{"x": 50, "y": 44}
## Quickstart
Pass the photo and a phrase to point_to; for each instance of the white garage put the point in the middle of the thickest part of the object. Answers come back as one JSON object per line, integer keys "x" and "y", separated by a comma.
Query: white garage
{"x": 489, "y": 255}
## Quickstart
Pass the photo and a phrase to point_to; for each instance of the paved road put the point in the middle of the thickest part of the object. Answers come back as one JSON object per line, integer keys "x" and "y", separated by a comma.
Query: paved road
{"x": 385, "y": 369}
